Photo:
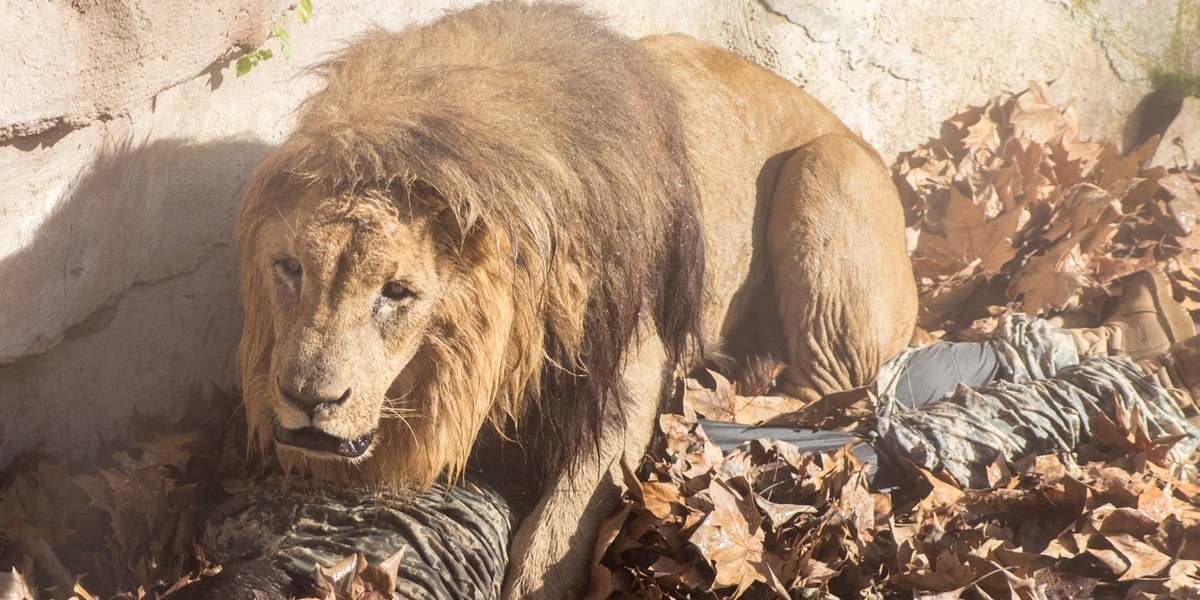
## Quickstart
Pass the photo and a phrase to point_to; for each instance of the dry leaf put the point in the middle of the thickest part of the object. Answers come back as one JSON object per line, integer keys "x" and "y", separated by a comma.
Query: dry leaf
{"x": 1143, "y": 560}
{"x": 15, "y": 585}
{"x": 728, "y": 542}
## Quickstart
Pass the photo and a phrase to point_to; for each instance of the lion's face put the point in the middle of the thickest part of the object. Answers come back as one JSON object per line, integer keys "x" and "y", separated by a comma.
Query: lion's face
{"x": 353, "y": 285}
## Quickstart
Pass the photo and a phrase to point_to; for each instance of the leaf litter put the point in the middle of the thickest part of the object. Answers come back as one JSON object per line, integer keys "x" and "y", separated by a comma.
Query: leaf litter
{"x": 1009, "y": 211}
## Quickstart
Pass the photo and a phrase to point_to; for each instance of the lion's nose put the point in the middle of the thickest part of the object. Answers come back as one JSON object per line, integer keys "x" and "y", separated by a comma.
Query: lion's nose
{"x": 313, "y": 401}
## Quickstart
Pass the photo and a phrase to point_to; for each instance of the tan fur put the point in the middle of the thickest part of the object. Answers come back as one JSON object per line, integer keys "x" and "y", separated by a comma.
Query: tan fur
{"x": 833, "y": 313}
{"x": 568, "y": 209}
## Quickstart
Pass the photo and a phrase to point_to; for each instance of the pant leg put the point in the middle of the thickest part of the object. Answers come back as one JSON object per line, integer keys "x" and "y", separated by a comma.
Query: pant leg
{"x": 1030, "y": 348}
{"x": 1022, "y": 348}
{"x": 731, "y": 435}
{"x": 935, "y": 371}
{"x": 968, "y": 431}
{"x": 1039, "y": 399}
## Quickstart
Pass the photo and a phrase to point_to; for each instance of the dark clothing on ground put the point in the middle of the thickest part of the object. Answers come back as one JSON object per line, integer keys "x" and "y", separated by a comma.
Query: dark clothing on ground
{"x": 961, "y": 406}
{"x": 454, "y": 539}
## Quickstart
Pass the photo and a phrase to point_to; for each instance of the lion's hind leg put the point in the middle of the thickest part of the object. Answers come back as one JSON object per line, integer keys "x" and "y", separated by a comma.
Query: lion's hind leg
{"x": 843, "y": 281}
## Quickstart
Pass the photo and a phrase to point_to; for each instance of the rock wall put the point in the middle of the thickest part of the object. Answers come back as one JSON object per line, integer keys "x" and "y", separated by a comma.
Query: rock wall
{"x": 125, "y": 138}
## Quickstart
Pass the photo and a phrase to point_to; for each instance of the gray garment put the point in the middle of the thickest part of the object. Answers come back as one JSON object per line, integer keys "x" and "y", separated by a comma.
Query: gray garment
{"x": 937, "y": 370}
{"x": 728, "y": 436}
{"x": 454, "y": 538}
{"x": 1043, "y": 401}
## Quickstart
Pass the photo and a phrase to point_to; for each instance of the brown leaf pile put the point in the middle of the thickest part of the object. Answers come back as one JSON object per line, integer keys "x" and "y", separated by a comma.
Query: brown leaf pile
{"x": 123, "y": 527}
{"x": 767, "y": 521}
{"x": 762, "y": 520}
{"x": 1011, "y": 212}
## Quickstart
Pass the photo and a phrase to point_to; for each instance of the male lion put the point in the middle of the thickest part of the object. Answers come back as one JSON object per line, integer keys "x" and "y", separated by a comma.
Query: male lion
{"x": 514, "y": 219}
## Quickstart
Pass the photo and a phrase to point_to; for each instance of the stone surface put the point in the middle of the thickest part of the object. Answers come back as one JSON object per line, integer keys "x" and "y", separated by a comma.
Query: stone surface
{"x": 1180, "y": 144}
{"x": 83, "y": 60}
{"x": 125, "y": 139}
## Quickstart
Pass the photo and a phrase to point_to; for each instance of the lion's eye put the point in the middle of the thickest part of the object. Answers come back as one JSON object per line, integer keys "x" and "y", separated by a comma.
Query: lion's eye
{"x": 290, "y": 267}
{"x": 397, "y": 291}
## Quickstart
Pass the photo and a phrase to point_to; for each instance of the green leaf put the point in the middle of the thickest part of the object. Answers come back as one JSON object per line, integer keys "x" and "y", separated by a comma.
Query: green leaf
{"x": 264, "y": 54}
{"x": 305, "y": 10}
{"x": 285, "y": 42}
{"x": 244, "y": 64}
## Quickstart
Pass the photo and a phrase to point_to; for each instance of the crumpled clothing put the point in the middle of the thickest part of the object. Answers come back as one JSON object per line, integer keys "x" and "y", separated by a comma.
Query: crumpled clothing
{"x": 1043, "y": 402}
{"x": 454, "y": 539}
{"x": 1030, "y": 349}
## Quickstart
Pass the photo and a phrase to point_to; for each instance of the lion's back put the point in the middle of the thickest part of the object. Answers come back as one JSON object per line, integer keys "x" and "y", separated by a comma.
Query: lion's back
{"x": 739, "y": 120}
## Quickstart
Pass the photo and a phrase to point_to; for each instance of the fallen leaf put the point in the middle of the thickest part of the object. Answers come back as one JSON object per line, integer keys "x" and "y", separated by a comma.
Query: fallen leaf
{"x": 1143, "y": 560}
{"x": 726, "y": 540}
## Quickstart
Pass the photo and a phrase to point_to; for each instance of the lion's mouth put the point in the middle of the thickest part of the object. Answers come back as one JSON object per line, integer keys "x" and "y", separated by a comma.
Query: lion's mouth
{"x": 311, "y": 438}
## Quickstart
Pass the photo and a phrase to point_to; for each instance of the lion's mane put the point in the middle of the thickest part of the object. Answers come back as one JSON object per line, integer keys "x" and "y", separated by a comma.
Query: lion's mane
{"x": 555, "y": 150}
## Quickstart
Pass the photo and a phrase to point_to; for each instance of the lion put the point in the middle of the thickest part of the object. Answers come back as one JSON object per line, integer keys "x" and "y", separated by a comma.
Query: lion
{"x": 513, "y": 225}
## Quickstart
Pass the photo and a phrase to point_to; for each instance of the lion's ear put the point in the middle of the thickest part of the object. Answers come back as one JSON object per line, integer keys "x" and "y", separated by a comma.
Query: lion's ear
{"x": 426, "y": 191}
{"x": 419, "y": 197}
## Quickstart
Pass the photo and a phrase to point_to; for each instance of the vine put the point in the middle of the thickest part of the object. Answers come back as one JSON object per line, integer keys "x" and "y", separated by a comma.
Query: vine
{"x": 279, "y": 32}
